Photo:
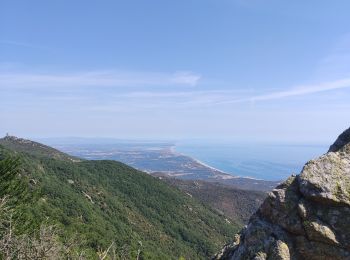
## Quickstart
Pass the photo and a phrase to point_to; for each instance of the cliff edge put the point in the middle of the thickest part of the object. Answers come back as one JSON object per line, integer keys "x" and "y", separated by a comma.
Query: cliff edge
{"x": 306, "y": 217}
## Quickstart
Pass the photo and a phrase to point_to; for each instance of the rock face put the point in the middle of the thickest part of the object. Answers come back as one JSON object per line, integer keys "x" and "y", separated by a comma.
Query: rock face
{"x": 306, "y": 217}
{"x": 342, "y": 140}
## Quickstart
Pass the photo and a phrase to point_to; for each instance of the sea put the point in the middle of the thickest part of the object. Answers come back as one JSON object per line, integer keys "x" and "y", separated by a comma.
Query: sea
{"x": 261, "y": 161}
{"x": 266, "y": 161}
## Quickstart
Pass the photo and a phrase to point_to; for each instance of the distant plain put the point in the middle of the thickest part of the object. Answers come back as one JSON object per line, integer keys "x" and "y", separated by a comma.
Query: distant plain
{"x": 266, "y": 161}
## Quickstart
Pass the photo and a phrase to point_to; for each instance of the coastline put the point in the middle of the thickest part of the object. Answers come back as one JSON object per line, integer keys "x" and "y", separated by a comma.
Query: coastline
{"x": 173, "y": 151}
{"x": 227, "y": 176}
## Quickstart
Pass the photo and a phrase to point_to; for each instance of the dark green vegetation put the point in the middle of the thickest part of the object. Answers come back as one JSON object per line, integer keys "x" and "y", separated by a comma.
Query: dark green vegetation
{"x": 238, "y": 205}
{"x": 100, "y": 202}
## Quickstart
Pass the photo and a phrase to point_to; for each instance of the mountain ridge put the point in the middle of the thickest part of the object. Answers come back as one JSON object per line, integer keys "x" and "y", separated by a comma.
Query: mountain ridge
{"x": 101, "y": 202}
{"x": 25, "y": 145}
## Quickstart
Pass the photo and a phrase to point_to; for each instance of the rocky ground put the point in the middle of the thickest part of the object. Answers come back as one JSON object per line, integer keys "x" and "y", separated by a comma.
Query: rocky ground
{"x": 306, "y": 217}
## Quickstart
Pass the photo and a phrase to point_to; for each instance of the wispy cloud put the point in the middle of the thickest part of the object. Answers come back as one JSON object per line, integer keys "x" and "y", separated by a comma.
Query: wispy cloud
{"x": 147, "y": 89}
{"x": 302, "y": 90}
{"x": 22, "y": 44}
{"x": 98, "y": 79}
{"x": 305, "y": 90}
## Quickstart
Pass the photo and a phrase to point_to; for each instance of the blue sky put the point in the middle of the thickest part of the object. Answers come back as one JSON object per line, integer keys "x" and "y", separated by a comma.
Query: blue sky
{"x": 217, "y": 69}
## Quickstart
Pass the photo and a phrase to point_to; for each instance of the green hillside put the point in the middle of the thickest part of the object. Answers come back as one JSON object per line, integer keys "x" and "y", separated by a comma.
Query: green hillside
{"x": 100, "y": 202}
{"x": 238, "y": 205}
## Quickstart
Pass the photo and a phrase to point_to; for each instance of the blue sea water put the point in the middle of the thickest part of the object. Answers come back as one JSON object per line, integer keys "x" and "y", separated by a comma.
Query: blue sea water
{"x": 261, "y": 161}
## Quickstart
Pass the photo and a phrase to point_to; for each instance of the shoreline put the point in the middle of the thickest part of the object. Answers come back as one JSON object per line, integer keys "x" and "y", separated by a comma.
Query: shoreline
{"x": 172, "y": 149}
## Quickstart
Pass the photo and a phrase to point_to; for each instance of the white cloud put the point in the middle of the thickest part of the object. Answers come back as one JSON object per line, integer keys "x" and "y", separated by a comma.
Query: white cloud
{"x": 98, "y": 79}
{"x": 305, "y": 90}
{"x": 302, "y": 90}
{"x": 162, "y": 97}
{"x": 22, "y": 44}
{"x": 186, "y": 78}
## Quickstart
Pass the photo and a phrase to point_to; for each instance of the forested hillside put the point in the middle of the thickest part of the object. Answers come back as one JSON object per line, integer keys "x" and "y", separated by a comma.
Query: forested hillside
{"x": 237, "y": 205}
{"x": 96, "y": 204}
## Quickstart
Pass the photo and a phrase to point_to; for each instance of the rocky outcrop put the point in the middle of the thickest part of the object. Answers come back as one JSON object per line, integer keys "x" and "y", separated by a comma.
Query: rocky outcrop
{"x": 306, "y": 217}
{"x": 342, "y": 140}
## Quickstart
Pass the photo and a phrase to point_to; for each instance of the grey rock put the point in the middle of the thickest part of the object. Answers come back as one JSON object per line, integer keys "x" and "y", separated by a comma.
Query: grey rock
{"x": 342, "y": 140}
{"x": 306, "y": 217}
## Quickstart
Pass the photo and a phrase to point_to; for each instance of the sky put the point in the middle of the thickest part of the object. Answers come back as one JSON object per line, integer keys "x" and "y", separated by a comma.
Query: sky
{"x": 272, "y": 70}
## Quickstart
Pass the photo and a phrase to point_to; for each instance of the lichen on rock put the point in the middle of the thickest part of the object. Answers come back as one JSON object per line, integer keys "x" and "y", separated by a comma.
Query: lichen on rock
{"x": 306, "y": 217}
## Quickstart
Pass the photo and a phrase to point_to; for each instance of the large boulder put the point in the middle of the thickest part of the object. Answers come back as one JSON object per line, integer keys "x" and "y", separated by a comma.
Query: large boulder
{"x": 306, "y": 217}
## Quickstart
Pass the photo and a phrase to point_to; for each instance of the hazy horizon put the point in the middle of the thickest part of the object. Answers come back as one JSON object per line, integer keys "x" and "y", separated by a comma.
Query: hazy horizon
{"x": 50, "y": 140}
{"x": 262, "y": 160}
{"x": 228, "y": 70}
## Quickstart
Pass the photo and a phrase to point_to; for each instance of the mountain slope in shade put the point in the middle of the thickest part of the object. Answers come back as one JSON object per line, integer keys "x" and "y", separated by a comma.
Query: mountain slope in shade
{"x": 220, "y": 197}
{"x": 99, "y": 202}
{"x": 306, "y": 217}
